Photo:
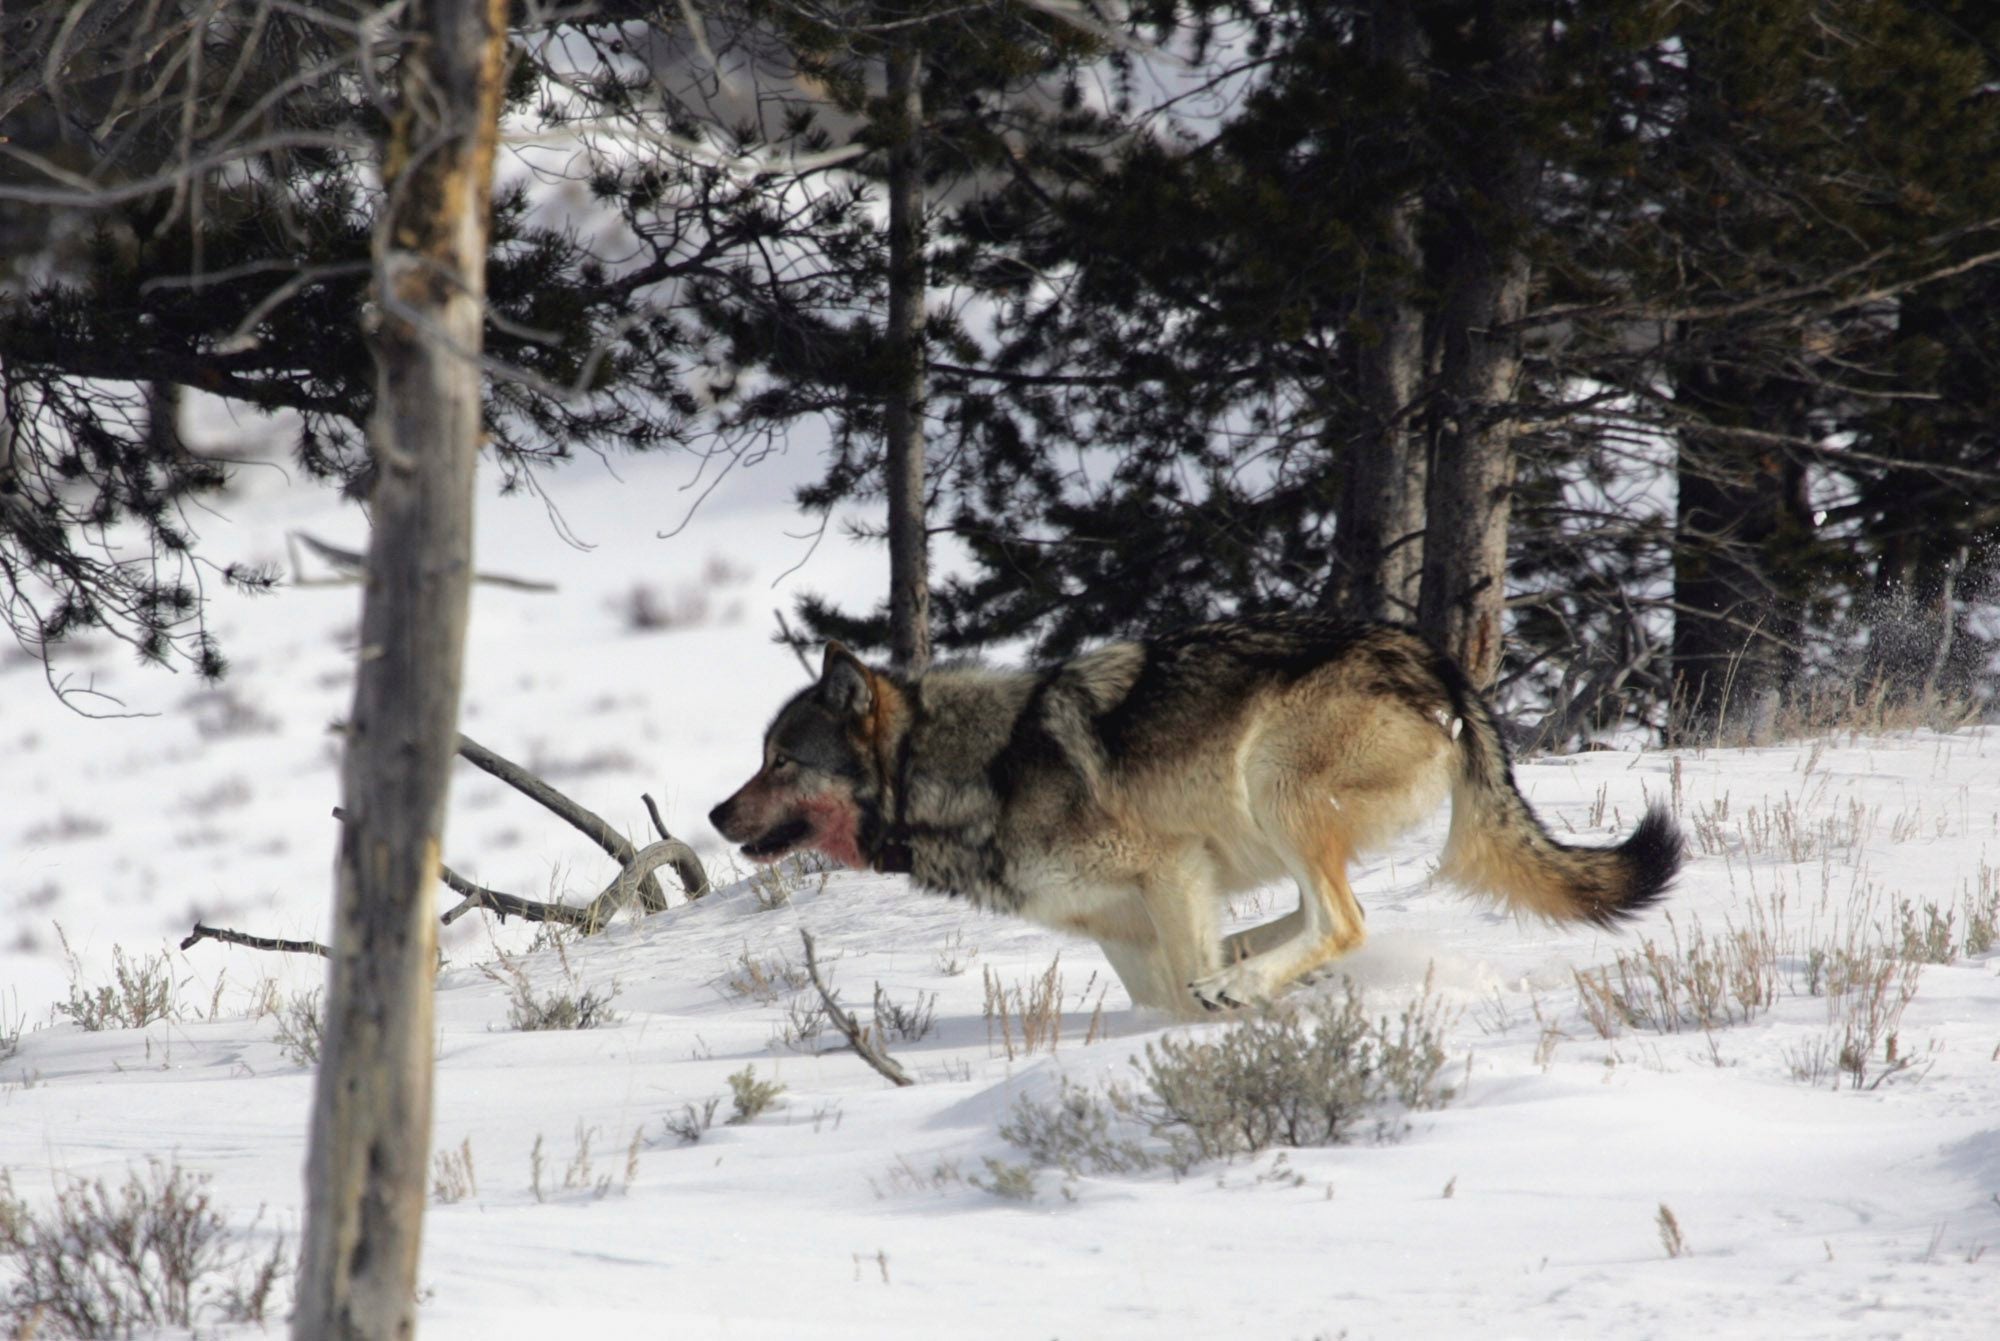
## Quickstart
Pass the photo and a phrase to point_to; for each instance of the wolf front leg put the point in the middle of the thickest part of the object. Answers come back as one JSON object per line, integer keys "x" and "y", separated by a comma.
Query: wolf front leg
{"x": 1146, "y": 976}
{"x": 1178, "y": 902}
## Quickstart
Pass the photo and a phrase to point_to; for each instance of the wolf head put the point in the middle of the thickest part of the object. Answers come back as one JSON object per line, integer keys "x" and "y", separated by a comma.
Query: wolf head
{"x": 821, "y": 784}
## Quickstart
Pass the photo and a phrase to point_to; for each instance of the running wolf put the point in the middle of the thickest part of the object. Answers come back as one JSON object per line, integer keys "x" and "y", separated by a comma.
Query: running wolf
{"x": 1124, "y": 793}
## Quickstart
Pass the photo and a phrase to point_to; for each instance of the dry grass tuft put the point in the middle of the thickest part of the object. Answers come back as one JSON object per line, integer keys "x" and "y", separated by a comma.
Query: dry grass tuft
{"x": 1025, "y": 1018}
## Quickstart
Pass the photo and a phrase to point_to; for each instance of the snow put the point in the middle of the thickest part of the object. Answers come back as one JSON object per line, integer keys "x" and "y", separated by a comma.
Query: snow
{"x": 1529, "y": 1206}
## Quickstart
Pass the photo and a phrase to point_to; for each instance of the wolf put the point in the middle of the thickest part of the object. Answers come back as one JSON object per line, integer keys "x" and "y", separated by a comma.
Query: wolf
{"x": 1124, "y": 793}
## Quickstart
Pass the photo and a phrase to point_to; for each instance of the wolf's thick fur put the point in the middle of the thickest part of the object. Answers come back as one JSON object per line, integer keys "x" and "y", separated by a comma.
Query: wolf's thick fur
{"x": 1126, "y": 792}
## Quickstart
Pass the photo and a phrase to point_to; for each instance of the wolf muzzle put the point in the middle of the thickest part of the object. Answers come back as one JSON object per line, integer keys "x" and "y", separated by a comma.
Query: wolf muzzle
{"x": 772, "y": 839}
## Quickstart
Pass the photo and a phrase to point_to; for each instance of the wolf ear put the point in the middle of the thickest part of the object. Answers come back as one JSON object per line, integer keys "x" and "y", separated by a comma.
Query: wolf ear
{"x": 845, "y": 685}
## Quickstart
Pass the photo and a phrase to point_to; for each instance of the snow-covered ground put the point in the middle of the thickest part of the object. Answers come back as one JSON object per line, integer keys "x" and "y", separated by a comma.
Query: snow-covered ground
{"x": 1530, "y": 1206}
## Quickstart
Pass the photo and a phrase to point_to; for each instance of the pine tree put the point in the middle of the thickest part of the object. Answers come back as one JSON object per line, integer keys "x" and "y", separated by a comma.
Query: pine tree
{"x": 219, "y": 241}
{"x": 1301, "y": 388}
{"x": 1737, "y": 214}
{"x": 1801, "y": 176}
{"x": 851, "y": 319}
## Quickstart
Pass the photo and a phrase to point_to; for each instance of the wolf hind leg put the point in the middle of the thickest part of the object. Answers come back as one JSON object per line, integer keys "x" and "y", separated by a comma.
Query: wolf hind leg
{"x": 1240, "y": 945}
{"x": 1264, "y": 960}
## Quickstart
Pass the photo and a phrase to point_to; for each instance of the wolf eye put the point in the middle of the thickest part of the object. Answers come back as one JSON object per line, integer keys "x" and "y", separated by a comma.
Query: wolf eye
{"x": 782, "y": 762}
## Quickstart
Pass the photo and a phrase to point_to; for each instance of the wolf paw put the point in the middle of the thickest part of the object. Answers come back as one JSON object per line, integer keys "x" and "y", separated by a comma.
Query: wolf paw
{"x": 1231, "y": 989}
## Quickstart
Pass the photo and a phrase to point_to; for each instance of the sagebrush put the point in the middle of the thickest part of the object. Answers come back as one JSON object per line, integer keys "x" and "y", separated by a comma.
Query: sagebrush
{"x": 140, "y": 991}
{"x": 1301, "y": 1073}
{"x": 151, "y": 1253}
{"x": 568, "y": 1006}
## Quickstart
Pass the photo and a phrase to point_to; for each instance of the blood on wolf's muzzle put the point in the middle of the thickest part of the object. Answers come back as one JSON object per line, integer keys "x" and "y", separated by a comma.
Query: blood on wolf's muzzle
{"x": 780, "y": 840}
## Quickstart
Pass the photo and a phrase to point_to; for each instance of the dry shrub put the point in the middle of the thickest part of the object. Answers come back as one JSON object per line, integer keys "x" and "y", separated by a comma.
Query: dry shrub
{"x": 570, "y": 1006}
{"x": 1296, "y": 1077}
{"x": 1298, "y": 1074}
{"x": 140, "y": 992}
{"x": 912, "y": 1023}
{"x": 152, "y": 1253}
{"x": 453, "y": 1177}
{"x": 764, "y": 980}
{"x": 750, "y": 1096}
{"x": 581, "y": 1175}
{"x": 299, "y": 1025}
{"x": 1697, "y": 982}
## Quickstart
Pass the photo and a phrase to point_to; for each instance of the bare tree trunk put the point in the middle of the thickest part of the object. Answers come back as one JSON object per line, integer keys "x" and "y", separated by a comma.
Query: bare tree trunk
{"x": 368, "y": 1161}
{"x": 903, "y": 418}
{"x": 1378, "y": 547}
{"x": 1469, "y": 499}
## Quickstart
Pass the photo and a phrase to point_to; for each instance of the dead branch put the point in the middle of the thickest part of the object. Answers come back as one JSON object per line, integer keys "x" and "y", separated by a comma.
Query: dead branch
{"x": 863, "y": 1040}
{"x": 633, "y": 883}
{"x": 501, "y": 904}
{"x": 591, "y": 917}
{"x": 228, "y": 937}
{"x": 1577, "y": 706}
{"x": 637, "y": 872}
{"x": 588, "y": 918}
{"x": 796, "y": 643}
{"x": 505, "y": 905}
{"x": 586, "y": 822}
{"x": 352, "y": 566}
{"x": 687, "y": 867}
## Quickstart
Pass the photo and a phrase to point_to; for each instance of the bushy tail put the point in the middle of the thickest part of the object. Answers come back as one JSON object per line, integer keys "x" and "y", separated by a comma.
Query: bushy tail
{"x": 1498, "y": 846}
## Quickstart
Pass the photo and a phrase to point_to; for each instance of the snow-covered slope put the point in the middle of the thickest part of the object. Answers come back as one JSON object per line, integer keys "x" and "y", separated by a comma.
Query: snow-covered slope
{"x": 1529, "y": 1206}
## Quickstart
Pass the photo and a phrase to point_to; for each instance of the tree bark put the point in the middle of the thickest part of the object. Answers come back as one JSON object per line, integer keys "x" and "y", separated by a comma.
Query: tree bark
{"x": 903, "y": 416}
{"x": 1739, "y": 514}
{"x": 368, "y": 1160}
{"x": 1378, "y": 546}
{"x": 1486, "y": 272}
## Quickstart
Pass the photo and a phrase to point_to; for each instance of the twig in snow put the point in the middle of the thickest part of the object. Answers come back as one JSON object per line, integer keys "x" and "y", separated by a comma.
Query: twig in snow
{"x": 863, "y": 1040}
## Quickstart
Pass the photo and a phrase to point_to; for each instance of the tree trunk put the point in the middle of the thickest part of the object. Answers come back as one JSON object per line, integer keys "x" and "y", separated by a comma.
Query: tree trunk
{"x": 903, "y": 417}
{"x": 1739, "y": 514}
{"x": 1469, "y": 495}
{"x": 1378, "y": 546}
{"x": 1928, "y": 528}
{"x": 368, "y": 1161}
{"x": 163, "y": 420}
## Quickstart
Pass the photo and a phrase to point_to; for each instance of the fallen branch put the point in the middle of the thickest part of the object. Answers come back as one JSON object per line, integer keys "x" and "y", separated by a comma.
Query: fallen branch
{"x": 585, "y": 821}
{"x": 634, "y": 882}
{"x": 590, "y": 917}
{"x": 501, "y": 904}
{"x": 228, "y": 937}
{"x": 1576, "y": 706}
{"x": 861, "y": 1039}
{"x": 687, "y": 868}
